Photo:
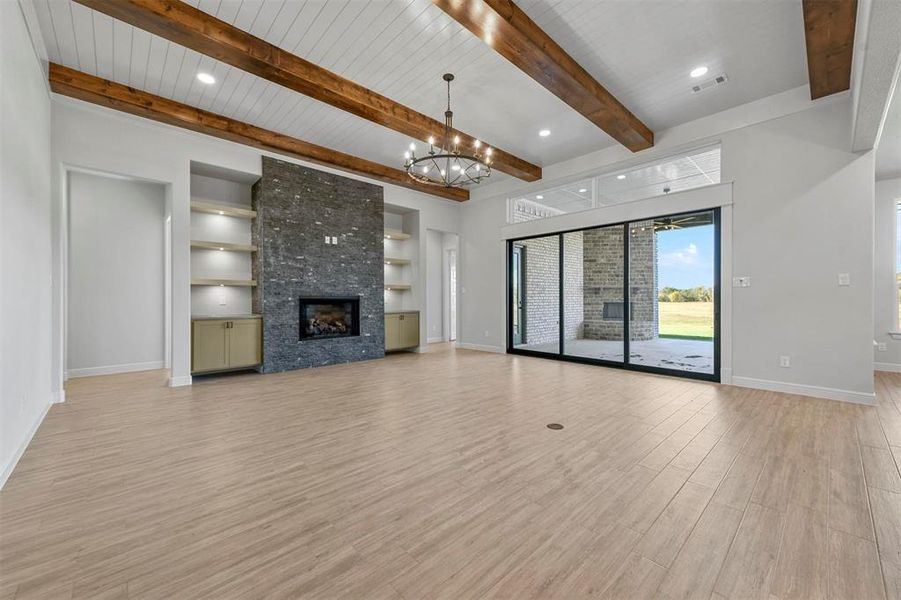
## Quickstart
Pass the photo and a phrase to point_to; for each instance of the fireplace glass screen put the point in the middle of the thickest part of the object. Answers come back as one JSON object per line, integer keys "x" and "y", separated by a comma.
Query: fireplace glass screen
{"x": 329, "y": 318}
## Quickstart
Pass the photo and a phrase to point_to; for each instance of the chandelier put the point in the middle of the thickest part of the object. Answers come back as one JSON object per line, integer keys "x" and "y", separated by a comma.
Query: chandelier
{"x": 446, "y": 164}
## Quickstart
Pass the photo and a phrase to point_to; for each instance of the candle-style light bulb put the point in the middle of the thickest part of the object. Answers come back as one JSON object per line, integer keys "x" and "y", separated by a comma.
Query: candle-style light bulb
{"x": 477, "y": 143}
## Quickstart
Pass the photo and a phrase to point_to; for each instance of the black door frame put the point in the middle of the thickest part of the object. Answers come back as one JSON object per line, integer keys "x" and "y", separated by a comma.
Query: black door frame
{"x": 625, "y": 364}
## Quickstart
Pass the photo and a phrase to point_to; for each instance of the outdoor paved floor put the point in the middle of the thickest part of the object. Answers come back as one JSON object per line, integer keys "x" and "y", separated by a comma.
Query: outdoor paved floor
{"x": 686, "y": 355}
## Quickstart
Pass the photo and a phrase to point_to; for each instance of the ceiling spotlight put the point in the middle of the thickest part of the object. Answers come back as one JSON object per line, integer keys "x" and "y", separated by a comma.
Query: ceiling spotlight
{"x": 698, "y": 71}
{"x": 539, "y": 197}
{"x": 221, "y": 212}
{"x": 582, "y": 191}
{"x": 206, "y": 78}
{"x": 544, "y": 132}
{"x": 620, "y": 176}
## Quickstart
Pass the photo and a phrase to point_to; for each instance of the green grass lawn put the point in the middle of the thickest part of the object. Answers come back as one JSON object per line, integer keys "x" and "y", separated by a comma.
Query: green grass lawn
{"x": 686, "y": 319}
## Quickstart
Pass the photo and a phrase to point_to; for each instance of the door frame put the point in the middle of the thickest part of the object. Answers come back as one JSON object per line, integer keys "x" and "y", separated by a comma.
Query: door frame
{"x": 625, "y": 364}
{"x": 520, "y": 251}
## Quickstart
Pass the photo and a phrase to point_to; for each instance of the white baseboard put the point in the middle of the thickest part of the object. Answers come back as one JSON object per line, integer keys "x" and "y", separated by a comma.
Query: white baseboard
{"x": 436, "y": 340}
{"x": 180, "y": 381}
{"x": 59, "y": 397}
{"x": 806, "y": 390}
{"x": 480, "y": 347}
{"x": 8, "y": 468}
{"x": 113, "y": 369}
{"x": 726, "y": 376}
{"x": 889, "y": 367}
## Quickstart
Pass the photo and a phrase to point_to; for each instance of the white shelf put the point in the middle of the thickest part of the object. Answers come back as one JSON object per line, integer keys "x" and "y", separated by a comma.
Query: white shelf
{"x": 397, "y": 261}
{"x": 400, "y": 287}
{"x": 223, "y": 246}
{"x": 223, "y": 209}
{"x": 394, "y": 234}
{"x": 224, "y": 282}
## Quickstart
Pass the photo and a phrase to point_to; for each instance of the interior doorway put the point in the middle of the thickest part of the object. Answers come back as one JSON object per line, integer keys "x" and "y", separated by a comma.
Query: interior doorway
{"x": 450, "y": 294}
{"x": 116, "y": 271}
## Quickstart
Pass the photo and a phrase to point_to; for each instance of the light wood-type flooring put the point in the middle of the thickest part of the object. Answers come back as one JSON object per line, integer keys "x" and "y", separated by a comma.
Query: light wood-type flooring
{"x": 434, "y": 476}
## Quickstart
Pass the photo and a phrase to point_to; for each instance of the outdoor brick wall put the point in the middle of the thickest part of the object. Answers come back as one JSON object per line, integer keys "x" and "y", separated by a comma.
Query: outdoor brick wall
{"x": 542, "y": 265}
{"x": 603, "y": 276}
{"x": 296, "y": 208}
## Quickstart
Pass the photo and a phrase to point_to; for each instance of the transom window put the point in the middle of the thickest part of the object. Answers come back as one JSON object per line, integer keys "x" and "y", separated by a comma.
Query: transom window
{"x": 694, "y": 169}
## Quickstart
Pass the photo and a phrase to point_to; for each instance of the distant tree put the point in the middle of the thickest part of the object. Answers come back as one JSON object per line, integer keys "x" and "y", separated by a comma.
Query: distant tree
{"x": 695, "y": 294}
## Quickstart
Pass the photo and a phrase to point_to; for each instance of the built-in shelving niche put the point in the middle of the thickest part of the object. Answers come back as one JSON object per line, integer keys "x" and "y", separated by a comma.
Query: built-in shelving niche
{"x": 401, "y": 257}
{"x": 221, "y": 248}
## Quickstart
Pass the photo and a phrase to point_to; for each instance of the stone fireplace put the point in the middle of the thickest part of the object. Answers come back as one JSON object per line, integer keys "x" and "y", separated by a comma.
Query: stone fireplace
{"x": 319, "y": 267}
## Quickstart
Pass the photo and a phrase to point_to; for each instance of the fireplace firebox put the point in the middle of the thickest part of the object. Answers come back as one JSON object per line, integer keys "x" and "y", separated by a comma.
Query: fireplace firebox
{"x": 322, "y": 318}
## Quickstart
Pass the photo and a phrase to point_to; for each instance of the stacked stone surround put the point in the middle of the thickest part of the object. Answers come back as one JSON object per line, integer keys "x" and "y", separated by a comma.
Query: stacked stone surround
{"x": 603, "y": 281}
{"x": 296, "y": 208}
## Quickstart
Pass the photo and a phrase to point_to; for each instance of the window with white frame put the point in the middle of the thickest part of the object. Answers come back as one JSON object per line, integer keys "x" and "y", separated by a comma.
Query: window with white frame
{"x": 697, "y": 168}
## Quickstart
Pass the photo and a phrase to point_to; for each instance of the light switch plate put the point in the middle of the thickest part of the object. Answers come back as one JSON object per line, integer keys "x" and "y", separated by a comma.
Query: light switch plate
{"x": 881, "y": 347}
{"x": 785, "y": 362}
{"x": 328, "y": 240}
{"x": 334, "y": 240}
{"x": 741, "y": 281}
{"x": 844, "y": 279}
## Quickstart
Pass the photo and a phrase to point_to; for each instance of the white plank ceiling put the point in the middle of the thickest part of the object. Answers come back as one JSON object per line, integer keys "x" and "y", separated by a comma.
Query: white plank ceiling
{"x": 641, "y": 50}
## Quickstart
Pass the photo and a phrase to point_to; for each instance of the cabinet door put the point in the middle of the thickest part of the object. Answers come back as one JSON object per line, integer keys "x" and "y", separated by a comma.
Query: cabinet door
{"x": 209, "y": 345}
{"x": 245, "y": 343}
{"x": 409, "y": 330}
{"x": 392, "y": 332}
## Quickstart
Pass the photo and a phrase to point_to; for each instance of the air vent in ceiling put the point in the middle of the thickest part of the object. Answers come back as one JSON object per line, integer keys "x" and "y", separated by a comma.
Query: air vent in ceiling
{"x": 713, "y": 82}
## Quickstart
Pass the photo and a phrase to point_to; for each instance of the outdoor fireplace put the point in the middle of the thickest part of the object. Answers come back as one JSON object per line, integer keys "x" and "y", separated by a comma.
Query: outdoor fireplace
{"x": 322, "y": 318}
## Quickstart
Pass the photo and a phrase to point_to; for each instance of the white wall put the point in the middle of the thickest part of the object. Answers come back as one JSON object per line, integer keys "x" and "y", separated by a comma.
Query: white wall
{"x": 435, "y": 287}
{"x": 887, "y": 193}
{"x": 25, "y": 245}
{"x": 802, "y": 214}
{"x": 101, "y": 139}
{"x": 115, "y": 297}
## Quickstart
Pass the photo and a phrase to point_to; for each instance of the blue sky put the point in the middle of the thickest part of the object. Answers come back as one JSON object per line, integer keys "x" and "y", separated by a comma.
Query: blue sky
{"x": 685, "y": 257}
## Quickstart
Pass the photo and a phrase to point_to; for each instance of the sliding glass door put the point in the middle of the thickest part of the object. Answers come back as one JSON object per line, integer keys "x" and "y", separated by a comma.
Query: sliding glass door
{"x": 535, "y": 285}
{"x": 641, "y": 295}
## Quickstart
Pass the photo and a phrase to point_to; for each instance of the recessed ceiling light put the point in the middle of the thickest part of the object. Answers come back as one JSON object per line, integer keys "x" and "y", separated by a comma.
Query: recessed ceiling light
{"x": 539, "y": 197}
{"x": 544, "y": 132}
{"x": 206, "y": 78}
{"x": 582, "y": 191}
{"x": 698, "y": 71}
{"x": 620, "y": 176}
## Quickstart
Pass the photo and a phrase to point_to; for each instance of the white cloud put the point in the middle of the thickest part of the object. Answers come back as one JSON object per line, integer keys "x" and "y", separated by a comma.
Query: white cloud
{"x": 685, "y": 257}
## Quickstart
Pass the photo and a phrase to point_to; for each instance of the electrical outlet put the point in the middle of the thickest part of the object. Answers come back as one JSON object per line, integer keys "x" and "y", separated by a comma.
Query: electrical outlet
{"x": 328, "y": 239}
{"x": 785, "y": 362}
{"x": 334, "y": 240}
{"x": 487, "y": 333}
{"x": 222, "y": 300}
{"x": 741, "y": 281}
{"x": 844, "y": 279}
{"x": 881, "y": 347}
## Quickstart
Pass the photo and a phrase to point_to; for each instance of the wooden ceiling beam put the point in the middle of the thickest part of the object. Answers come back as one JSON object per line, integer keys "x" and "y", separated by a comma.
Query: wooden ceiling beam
{"x": 187, "y": 26}
{"x": 829, "y": 32}
{"x": 89, "y": 88}
{"x": 512, "y": 34}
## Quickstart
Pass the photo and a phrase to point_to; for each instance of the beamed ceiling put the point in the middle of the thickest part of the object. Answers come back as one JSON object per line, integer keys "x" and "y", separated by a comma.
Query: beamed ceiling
{"x": 641, "y": 51}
